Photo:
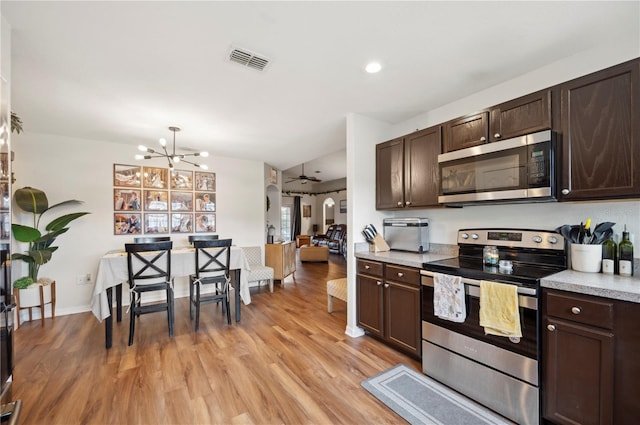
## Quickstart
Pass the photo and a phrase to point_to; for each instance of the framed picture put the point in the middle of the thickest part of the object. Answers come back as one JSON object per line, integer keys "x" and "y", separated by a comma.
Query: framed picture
{"x": 205, "y": 201}
{"x": 205, "y": 182}
{"x": 5, "y": 196}
{"x": 4, "y": 166}
{"x": 155, "y": 177}
{"x": 126, "y": 199}
{"x": 181, "y": 180}
{"x": 205, "y": 222}
{"x": 127, "y": 175}
{"x": 156, "y": 223}
{"x": 181, "y": 201}
{"x": 181, "y": 223}
{"x": 127, "y": 224}
{"x": 273, "y": 176}
{"x": 156, "y": 200}
{"x": 343, "y": 206}
{"x": 306, "y": 210}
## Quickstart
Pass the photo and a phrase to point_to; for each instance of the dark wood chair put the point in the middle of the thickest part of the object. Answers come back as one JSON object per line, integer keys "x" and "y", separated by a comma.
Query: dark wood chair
{"x": 151, "y": 239}
{"x": 149, "y": 268}
{"x": 212, "y": 259}
{"x": 193, "y": 238}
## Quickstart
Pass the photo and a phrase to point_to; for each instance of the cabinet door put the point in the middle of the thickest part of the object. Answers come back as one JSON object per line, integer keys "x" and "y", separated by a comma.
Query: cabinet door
{"x": 521, "y": 116}
{"x": 577, "y": 373}
{"x": 466, "y": 132}
{"x": 601, "y": 134}
{"x": 289, "y": 258}
{"x": 402, "y": 315}
{"x": 273, "y": 258}
{"x": 422, "y": 175}
{"x": 390, "y": 174}
{"x": 369, "y": 299}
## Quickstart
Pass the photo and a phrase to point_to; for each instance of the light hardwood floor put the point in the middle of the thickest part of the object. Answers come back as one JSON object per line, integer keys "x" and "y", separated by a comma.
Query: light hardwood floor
{"x": 287, "y": 362}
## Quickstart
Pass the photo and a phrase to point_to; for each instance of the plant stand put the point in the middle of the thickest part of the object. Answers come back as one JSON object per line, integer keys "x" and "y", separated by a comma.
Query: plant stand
{"x": 37, "y": 295}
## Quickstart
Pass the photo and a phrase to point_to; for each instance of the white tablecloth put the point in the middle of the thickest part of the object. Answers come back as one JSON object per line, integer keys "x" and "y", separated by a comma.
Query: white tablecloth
{"x": 112, "y": 271}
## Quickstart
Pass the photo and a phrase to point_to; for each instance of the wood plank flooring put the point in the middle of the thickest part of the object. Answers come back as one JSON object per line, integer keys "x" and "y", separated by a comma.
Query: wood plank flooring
{"x": 287, "y": 362}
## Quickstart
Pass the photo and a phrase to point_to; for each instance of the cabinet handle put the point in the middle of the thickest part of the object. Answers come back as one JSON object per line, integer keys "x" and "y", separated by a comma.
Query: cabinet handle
{"x": 400, "y": 274}
{"x": 551, "y": 327}
{"x": 576, "y": 310}
{"x": 378, "y": 283}
{"x": 386, "y": 285}
{"x": 408, "y": 203}
{"x": 565, "y": 191}
{"x": 399, "y": 203}
{"x": 483, "y": 139}
{"x": 367, "y": 267}
{"x": 497, "y": 135}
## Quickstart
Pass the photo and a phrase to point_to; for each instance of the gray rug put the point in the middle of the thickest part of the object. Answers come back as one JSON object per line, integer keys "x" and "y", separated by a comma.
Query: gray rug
{"x": 421, "y": 400}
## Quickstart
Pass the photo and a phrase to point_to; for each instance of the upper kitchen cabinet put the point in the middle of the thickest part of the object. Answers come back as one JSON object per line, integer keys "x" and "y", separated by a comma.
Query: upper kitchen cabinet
{"x": 467, "y": 131}
{"x": 524, "y": 115}
{"x": 601, "y": 134}
{"x": 407, "y": 174}
{"x": 527, "y": 114}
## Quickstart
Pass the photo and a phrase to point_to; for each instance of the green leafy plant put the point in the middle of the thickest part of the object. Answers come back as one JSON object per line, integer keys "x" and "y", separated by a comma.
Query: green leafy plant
{"x": 16, "y": 123}
{"x": 41, "y": 247}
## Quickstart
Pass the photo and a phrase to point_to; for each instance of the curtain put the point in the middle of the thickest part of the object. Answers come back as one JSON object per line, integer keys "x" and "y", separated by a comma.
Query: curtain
{"x": 296, "y": 218}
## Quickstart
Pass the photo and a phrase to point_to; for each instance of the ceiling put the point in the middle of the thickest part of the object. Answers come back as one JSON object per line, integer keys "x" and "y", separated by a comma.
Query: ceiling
{"x": 124, "y": 71}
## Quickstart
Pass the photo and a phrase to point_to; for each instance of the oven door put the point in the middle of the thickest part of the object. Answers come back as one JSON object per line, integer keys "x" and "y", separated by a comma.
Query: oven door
{"x": 528, "y": 302}
{"x": 518, "y": 168}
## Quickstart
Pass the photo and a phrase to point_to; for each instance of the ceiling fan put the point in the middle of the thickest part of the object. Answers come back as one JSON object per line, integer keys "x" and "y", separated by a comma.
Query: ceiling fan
{"x": 304, "y": 179}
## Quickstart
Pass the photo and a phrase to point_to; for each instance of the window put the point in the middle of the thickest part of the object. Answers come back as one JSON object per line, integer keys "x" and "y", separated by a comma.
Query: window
{"x": 285, "y": 223}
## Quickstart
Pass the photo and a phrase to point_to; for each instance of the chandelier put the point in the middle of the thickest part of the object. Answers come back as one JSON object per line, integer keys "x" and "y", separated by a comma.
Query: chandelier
{"x": 172, "y": 157}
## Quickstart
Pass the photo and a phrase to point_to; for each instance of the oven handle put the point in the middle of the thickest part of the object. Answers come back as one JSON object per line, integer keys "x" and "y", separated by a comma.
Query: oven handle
{"x": 527, "y": 297}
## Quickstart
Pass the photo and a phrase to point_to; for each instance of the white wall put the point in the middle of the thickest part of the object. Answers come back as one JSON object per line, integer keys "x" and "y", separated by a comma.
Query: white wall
{"x": 364, "y": 133}
{"x": 67, "y": 168}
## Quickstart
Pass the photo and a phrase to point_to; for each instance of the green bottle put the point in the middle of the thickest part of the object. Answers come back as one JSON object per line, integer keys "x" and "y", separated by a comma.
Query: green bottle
{"x": 625, "y": 255}
{"x": 610, "y": 256}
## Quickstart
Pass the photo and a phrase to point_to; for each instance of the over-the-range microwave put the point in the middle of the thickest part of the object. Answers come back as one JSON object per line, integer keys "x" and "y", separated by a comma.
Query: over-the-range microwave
{"x": 521, "y": 169}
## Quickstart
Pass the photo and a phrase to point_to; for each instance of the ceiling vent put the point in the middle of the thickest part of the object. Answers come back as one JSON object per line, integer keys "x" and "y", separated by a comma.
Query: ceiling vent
{"x": 248, "y": 59}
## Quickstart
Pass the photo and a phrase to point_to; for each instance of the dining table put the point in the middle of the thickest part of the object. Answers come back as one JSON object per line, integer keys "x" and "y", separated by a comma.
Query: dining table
{"x": 112, "y": 273}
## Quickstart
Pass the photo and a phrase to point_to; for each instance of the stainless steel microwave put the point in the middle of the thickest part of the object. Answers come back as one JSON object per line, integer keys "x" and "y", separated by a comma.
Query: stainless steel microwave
{"x": 521, "y": 169}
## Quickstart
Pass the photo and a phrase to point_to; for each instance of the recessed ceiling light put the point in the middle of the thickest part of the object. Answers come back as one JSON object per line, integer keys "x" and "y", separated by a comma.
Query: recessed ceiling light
{"x": 373, "y": 67}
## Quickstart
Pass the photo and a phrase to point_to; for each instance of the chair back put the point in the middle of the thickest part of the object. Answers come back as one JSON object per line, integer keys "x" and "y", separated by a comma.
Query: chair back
{"x": 213, "y": 258}
{"x": 148, "y": 263}
{"x": 194, "y": 238}
{"x": 253, "y": 254}
{"x": 151, "y": 239}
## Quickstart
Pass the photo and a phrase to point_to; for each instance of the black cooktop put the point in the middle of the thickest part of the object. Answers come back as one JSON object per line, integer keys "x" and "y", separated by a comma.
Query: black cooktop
{"x": 474, "y": 268}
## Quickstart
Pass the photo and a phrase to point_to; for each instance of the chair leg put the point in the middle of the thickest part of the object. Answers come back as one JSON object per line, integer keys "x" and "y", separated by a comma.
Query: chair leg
{"x": 329, "y": 303}
{"x": 132, "y": 318}
{"x": 197, "y": 308}
{"x": 170, "y": 310}
{"x": 226, "y": 302}
{"x": 191, "y": 299}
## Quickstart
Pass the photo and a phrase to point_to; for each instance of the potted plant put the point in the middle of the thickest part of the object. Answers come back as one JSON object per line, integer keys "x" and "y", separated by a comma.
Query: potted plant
{"x": 41, "y": 249}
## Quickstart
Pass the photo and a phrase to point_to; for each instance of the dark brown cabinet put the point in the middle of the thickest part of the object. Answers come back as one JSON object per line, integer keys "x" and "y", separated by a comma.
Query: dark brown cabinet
{"x": 388, "y": 304}
{"x": 524, "y": 115}
{"x": 590, "y": 366}
{"x": 467, "y": 131}
{"x": 601, "y": 134}
{"x": 407, "y": 174}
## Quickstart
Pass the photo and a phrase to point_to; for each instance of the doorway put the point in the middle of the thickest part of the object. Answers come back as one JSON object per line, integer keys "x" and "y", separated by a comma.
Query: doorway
{"x": 328, "y": 213}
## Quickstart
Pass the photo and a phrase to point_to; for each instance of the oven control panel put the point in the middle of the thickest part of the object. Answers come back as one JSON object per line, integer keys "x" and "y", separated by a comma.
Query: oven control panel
{"x": 520, "y": 238}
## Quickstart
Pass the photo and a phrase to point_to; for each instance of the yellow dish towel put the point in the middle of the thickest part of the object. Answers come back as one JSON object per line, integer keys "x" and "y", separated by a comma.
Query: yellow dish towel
{"x": 499, "y": 313}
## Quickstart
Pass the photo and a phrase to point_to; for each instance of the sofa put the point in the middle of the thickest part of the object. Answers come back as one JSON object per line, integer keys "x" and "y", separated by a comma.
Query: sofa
{"x": 333, "y": 239}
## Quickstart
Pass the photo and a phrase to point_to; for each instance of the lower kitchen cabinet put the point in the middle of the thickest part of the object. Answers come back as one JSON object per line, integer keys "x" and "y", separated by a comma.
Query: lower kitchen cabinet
{"x": 590, "y": 359}
{"x": 388, "y": 304}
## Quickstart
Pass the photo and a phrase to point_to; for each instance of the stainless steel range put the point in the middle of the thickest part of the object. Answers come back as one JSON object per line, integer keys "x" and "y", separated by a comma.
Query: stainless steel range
{"x": 499, "y": 372}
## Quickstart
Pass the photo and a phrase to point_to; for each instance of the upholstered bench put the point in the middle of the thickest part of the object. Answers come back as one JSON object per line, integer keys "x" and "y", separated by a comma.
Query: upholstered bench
{"x": 314, "y": 253}
{"x": 336, "y": 288}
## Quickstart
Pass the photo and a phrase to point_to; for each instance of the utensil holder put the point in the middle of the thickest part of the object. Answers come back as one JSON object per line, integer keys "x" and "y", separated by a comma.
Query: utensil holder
{"x": 378, "y": 245}
{"x": 586, "y": 258}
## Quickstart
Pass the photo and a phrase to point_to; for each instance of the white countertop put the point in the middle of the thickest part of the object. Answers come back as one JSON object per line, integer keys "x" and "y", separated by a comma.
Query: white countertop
{"x": 598, "y": 284}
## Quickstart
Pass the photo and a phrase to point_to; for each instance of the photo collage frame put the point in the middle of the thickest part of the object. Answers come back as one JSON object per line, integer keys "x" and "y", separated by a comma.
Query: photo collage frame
{"x": 156, "y": 200}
